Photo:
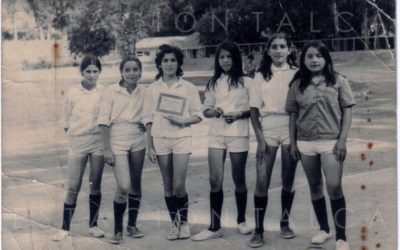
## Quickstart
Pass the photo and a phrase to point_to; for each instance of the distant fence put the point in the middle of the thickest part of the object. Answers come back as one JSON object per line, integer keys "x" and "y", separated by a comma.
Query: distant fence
{"x": 334, "y": 44}
{"x": 355, "y": 43}
{"x": 33, "y": 53}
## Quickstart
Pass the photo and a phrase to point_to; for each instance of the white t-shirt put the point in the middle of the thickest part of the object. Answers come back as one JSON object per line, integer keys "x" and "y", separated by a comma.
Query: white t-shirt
{"x": 118, "y": 106}
{"x": 229, "y": 100}
{"x": 80, "y": 110}
{"x": 270, "y": 96}
{"x": 181, "y": 99}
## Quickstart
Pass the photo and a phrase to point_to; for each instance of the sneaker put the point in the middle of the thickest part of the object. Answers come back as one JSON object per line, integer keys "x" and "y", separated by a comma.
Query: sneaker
{"x": 207, "y": 234}
{"x": 116, "y": 238}
{"x": 134, "y": 232}
{"x": 286, "y": 233}
{"x": 96, "y": 232}
{"x": 321, "y": 237}
{"x": 173, "y": 232}
{"x": 184, "y": 231}
{"x": 60, "y": 235}
{"x": 256, "y": 241}
{"x": 342, "y": 245}
{"x": 244, "y": 229}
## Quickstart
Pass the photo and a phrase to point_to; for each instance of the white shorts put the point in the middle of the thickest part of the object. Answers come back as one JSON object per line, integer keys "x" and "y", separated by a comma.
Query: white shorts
{"x": 276, "y": 130}
{"x": 125, "y": 138}
{"x": 85, "y": 144}
{"x": 316, "y": 147}
{"x": 166, "y": 146}
{"x": 234, "y": 144}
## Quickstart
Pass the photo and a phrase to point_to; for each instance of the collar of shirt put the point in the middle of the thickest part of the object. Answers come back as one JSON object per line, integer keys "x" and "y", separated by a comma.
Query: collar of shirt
{"x": 81, "y": 88}
{"x": 223, "y": 76}
{"x": 175, "y": 85}
{"x": 123, "y": 90}
{"x": 285, "y": 66}
{"x": 320, "y": 83}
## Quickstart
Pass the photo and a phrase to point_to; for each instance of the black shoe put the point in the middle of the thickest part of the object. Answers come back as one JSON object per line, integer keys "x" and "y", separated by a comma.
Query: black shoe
{"x": 116, "y": 238}
{"x": 256, "y": 241}
{"x": 286, "y": 232}
{"x": 134, "y": 232}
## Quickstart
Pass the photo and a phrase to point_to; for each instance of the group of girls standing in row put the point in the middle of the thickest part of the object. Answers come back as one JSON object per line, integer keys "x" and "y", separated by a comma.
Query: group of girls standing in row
{"x": 305, "y": 111}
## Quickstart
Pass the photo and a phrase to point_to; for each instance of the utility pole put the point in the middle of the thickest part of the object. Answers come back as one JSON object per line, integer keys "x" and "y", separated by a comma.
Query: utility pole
{"x": 129, "y": 23}
{"x": 336, "y": 25}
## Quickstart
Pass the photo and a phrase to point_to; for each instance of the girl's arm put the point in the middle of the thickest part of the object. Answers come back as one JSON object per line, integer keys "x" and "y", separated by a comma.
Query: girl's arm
{"x": 210, "y": 111}
{"x": 66, "y": 113}
{"x": 294, "y": 151}
{"x": 104, "y": 122}
{"x": 245, "y": 114}
{"x": 262, "y": 147}
{"x": 183, "y": 122}
{"x": 194, "y": 119}
{"x": 194, "y": 111}
{"x": 340, "y": 148}
{"x": 150, "y": 144}
{"x": 213, "y": 112}
{"x": 105, "y": 135}
{"x": 231, "y": 117}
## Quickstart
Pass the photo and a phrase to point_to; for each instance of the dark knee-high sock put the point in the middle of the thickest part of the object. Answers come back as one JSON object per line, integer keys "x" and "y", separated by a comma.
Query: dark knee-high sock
{"x": 172, "y": 207}
{"x": 183, "y": 207}
{"x": 286, "y": 202}
{"x": 67, "y": 215}
{"x": 339, "y": 217}
{"x": 320, "y": 211}
{"x": 241, "y": 202}
{"x": 94, "y": 208}
{"x": 260, "y": 206}
{"x": 216, "y": 201}
{"x": 133, "y": 209}
{"x": 119, "y": 211}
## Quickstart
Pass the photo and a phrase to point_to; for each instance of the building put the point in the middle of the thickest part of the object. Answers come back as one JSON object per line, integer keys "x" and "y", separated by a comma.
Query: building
{"x": 190, "y": 45}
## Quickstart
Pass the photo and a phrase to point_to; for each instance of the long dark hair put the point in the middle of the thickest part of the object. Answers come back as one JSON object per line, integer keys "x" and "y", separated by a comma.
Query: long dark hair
{"x": 304, "y": 75}
{"x": 235, "y": 74}
{"x": 165, "y": 49}
{"x": 266, "y": 61}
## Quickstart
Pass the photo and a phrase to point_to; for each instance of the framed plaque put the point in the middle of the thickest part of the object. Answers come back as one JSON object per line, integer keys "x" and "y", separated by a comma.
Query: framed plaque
{"x": 171, "y": 104}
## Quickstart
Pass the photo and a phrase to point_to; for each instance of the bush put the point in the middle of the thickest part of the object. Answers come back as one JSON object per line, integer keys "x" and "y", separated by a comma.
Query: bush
{"x": 6, "y": 35}
{"x": 84, "y": 40}
{"x": 41, "y": 64}
{"x": 44, "y": 64}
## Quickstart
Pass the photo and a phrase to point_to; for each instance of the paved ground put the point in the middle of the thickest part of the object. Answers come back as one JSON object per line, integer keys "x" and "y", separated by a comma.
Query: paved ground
{"x": 34, "y": 175}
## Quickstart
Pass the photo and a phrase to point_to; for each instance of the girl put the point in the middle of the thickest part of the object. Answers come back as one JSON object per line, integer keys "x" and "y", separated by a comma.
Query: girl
{"x": 125, "y": 143}
{"x": 227, "y": 105}
{"x": 81, "y": 106}
{"x": 320, "y": 105}
{"x": 169, "y": 134}
{"x": 267, "y": 100}
{"x": 249, "y": 66}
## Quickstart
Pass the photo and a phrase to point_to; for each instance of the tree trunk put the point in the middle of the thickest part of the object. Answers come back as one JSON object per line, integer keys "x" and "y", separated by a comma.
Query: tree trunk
{"x": 366, "y": 33}
{"x": 41, "y": 34}
{"x": 48, "y": 32}
{"x": 15, "y": 27}
{"x": 336, "y": 43}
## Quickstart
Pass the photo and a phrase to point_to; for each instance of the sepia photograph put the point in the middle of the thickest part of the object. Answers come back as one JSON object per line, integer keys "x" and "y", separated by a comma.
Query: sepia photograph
{"x": 199, "y": 124}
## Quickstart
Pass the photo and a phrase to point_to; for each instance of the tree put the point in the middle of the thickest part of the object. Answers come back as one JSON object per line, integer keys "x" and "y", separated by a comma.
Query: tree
{"x": 91, "y": 34}
{"x": 219, "y": 20}
{"x": 244, "y": 20}
{"x": 51, "y": 14}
